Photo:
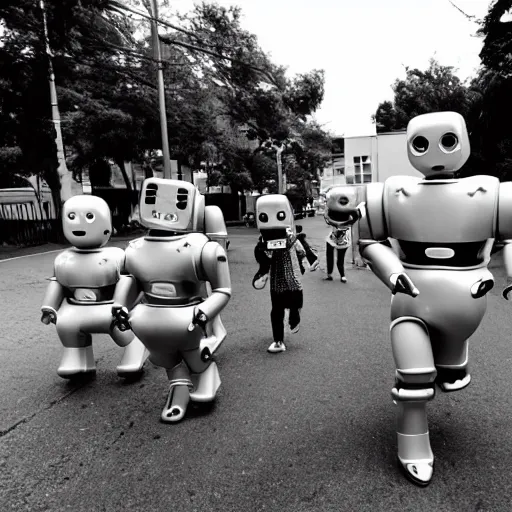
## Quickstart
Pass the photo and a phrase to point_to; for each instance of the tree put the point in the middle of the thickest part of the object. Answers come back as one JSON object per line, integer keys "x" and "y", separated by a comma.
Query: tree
{"x": 436, "y": 89}
{"x": 496, "y": 28}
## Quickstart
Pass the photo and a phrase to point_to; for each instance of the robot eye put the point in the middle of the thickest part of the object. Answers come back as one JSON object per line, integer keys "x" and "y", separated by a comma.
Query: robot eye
{"x": 449, "y": 141}
{"x": 281, "y": 215}
{"x": 71, "y": 216}
{"x": 89, "y": 217}
{"x": 420, "y": 144}
{"x": 263, "y": 217}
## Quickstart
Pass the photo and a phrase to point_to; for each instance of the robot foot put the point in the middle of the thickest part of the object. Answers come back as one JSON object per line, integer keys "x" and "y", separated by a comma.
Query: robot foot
{"x": 134, "y": 357}
{"x": 77, "y": 362}
{"x": 452, "y": 380}
{"x": 176, "y": 405}
{"x": 419, "y": 472}
{"x": 205, "y": 384}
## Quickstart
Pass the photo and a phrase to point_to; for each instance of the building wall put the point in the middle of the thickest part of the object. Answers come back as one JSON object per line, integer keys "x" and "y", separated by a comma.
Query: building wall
{"x": 375, "y": 158}
{"x": 360, "y": 159}
{"x": 334, "y": 173}
{"x": 392, "y": 157}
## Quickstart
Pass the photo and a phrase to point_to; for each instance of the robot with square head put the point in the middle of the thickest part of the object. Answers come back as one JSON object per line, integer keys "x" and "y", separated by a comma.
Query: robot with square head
{"x": 184, "y": 283}
{"x": 444, "y": 227}
{"x": 88, "y": 279}
{"x": 276, "y": 222}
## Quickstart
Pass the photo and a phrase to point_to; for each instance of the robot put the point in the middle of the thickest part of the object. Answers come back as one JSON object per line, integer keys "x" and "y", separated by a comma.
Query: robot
{"x": 184, "y": 280}
{"x": 88, "y": 279}
{"x": 444, "y": 227}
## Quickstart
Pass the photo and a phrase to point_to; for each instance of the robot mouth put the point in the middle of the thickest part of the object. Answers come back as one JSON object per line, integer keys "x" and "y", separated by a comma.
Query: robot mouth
{"x": 341, "y": 218}
{"x": 438, "y": 168}
{"x": 79, "y": 233}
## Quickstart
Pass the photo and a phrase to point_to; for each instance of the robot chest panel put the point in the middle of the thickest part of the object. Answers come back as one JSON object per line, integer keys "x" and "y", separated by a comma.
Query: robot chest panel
{"x": 75, "y": 269}
{"x": 455, "y": 211}
{"x": 166, "y": 261}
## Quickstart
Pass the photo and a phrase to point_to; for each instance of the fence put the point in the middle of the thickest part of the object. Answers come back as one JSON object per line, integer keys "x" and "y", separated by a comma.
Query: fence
{"x": 29, "y": 223}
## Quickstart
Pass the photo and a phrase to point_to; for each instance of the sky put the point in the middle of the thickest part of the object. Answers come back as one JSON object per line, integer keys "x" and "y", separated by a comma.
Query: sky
{"x": 362, "y": 45}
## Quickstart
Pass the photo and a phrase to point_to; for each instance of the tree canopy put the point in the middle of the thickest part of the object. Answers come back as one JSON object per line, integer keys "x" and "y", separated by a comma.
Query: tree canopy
{"x": 217, "y": 80}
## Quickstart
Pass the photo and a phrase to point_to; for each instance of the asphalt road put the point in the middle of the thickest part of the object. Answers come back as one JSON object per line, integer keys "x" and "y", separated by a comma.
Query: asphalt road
{"x": 311, "y": 429}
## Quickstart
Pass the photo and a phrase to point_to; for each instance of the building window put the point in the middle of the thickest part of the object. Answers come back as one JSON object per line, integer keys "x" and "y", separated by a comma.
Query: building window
{"x": 362, "y": 170}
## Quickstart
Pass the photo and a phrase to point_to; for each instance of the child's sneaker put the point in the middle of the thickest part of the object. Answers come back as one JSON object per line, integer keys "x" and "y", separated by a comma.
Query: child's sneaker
{"x": 295, "y": 328}
{"x": 343, "y": 279}
{"x": 314, "y": 266}
{"x": 277, "y": 346}
{"x": 328, "y": 278}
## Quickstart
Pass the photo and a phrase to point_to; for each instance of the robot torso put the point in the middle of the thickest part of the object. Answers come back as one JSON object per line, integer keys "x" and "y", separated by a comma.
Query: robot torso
{"x": 443, "y": 223}
{"x": 90, "y": 275}
{"x": 168, "y": 269}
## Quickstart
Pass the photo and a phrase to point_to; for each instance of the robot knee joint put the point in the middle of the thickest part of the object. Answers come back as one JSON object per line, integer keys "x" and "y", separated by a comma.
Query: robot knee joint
{"x": 413, "y": 392}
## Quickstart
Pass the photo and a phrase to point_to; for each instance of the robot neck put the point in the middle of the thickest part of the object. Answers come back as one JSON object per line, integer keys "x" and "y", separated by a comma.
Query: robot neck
{"x": 162, "y": 233}
{"x": 445, "y": 175}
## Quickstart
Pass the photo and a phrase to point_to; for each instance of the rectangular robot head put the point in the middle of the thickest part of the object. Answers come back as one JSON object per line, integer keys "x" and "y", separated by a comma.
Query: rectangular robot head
{"x": 274, "y": 218}
{"x": 171, "y": 205}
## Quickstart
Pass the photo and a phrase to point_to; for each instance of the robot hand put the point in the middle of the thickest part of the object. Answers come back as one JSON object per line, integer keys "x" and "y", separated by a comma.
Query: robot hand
{"x": 49, "y": 317}
{"x": 120, "y": 314}
{"x": 506, "y": 291}
{"x": 200, "y": 319}
{"x": 482, "y": 286}
{"x": 402, "y": 284}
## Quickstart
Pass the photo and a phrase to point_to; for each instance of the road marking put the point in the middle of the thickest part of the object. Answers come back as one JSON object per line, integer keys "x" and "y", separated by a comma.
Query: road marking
{"x": 29, "y": 255}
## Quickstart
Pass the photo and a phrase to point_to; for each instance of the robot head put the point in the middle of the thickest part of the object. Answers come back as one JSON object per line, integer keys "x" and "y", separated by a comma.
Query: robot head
{"x": 274, "y": 218}
{"x": 438, "y": 144}
{"x": 341, "y": 207}
{"x": 171, "y": 205}
{"x": 86, "y": 221}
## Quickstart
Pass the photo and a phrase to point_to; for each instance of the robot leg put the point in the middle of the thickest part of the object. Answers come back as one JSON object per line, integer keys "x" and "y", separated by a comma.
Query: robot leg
{"x": 204, "y": 375}
{"x": 216, "y": 335}
{"x": 179, "y": 394}
{"x": 454, "y": 377}
{"x": 78, "y": 357}
{"x": 134, "y": 357}
{"x": 414, "y": 386}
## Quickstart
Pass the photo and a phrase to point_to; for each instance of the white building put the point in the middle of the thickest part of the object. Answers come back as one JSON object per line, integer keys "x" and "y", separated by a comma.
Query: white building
{"x": 374, "y": 158}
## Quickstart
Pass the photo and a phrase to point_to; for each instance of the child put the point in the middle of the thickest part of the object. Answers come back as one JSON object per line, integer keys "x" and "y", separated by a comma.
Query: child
{"x": 286, "y": 292}
{"x": 339, "y": 239}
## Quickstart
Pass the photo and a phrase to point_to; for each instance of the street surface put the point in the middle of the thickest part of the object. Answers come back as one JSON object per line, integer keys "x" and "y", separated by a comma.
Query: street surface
{"x": 311, "y": 429}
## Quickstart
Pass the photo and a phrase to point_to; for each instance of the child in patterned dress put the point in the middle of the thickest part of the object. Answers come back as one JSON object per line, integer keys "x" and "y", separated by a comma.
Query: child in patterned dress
{"x": 286, "y": 292}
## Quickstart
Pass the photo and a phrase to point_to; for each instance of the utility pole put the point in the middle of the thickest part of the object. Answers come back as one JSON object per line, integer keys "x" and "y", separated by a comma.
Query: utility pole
{"x": 62, "y": 170}
{"x": 161, "y": 90}
{"x": 281, "y": 178}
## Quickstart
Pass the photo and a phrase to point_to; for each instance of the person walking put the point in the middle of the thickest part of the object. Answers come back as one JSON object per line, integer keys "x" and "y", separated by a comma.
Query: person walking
{"x": 339, "y": 240}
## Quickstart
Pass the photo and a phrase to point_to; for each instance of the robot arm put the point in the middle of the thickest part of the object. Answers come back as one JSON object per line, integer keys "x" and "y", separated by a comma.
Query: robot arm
{"x": 215, "y": 269}
{"x": 505, "y": 231}
{"x": 382, "y": 260}
{"x": 52, "y": 301}
{"x": 126, "y": 288}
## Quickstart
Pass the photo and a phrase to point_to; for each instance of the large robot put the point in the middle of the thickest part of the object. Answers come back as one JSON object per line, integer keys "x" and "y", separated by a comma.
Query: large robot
{"x": 88, "y": 279}
{"x": 445, "y": 229}
{"x": 184, "y": 280}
